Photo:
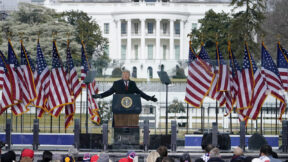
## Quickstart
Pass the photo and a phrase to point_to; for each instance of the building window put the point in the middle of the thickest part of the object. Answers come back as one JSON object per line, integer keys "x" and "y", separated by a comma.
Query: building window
{"x": 164, "y": 25}
{"x": 177, "y": 28}
{"x": 123, "y": 27}
{"x": 150, "y": 52}
{"x": 134, "y": 72}
{"x": 150, "y": 0}
{"x": 150, "y": 27}
{"x": 106, "y": 50}
{"x": 136, "y": 51}
{"x": 150, "y": 72}
{"x": 136, "y": 25}
{"x": 106, "y": 28}
{"x": 177, "y": 52}
{"x": 194, "y": 26}
{"x": 164, "y": 52}
{"x": 123, "y": 52}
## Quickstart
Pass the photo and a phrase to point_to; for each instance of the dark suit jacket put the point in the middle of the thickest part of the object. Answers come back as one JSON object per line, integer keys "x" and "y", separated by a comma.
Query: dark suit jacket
{"x": 119, "y": 88}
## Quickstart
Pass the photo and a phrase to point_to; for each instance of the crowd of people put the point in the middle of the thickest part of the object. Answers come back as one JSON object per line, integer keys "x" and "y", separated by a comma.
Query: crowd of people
{"x": 212, "y": 154}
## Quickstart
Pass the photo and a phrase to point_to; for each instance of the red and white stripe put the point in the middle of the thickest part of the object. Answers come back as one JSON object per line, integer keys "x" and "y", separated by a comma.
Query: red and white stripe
{"x": 284, "y": 77}
{"x": 274, "y": 86}
{"x": 199, "y": 79}
{"x": 42, "y": 83}
{"x": 59, "y": 93}
{"x": 2, "y": 73}
{"x": 223, "y": 83}
{"x": 259, "y": 96}
{"x": 92, "y": 103}
{"x": 246, "y": 84}
{"x": 6, "y": 101}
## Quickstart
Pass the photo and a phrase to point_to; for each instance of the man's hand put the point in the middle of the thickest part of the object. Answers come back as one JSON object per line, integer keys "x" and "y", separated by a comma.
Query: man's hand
{"x": 96, "y": 96}
{"x": 153, "y": 98}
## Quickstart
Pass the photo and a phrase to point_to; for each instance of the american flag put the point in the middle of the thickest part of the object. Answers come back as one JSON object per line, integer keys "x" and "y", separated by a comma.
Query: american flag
{"x": 199, "y": 79}
{"x": 246, "y": 83}
{"x": 22, "y": 97}
{"x": 92, "y": 89}
{"x": 259, "y": 87}
{"x": 235, "y": 73}
{"x": 282, "y": 64}
{"x": 59, "y": 91}
{"x": 272, "y": 77}
{"x": 13, "y": 67}
{"x": 6, "y": 100}
{"x": 213, "y": 93}
{"x": 28, "y": 70}
{"x": 74, "y": 86}
{"x": 84, "y": 64}
{"x": 223, "y": 83}
{"x": 42, "y": 82}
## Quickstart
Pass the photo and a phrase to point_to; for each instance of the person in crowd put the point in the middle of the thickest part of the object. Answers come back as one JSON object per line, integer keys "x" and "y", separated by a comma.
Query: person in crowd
{"x": 167, "y": 159}
{"x": 47, "y": 156}
{"x": 130, "y": 157}
{"x": 68, "y": 159}
{"x": 27, "y": 155}
{"x": 94, "y": 158}
{"x": 266, "y": 154}
{"x": 56, "y": 158}
{"x": 238, "y": 155}
{"x": 9, "y": 156}
{"x": 248, "y": 159}
{"x": 153, "y": 155}
{"x": 102, "y": 158}
{"x": 185, "y": 158}
{"x": 199, "y": 160}
{"x": 274, "y": 155}
{"x": 206, "y": 156}
{"x": 162, "y": 150}
{"x": 86, "y": 157}
{"x": 257, "y": 160}
{"x": 214, "y": 155}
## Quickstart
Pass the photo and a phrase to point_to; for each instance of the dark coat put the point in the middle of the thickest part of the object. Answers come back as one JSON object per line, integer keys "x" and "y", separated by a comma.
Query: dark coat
{"x": 119, "y": 88}
{"x": 215, "y": 159}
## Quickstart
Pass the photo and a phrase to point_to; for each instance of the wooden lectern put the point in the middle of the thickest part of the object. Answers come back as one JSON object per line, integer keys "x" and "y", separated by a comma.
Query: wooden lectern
{"x": 126, "y": 109}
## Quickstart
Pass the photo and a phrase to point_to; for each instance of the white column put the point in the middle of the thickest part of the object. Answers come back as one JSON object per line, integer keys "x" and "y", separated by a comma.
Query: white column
{"x": 128, "y": 39}
{"x": 142, "y": 56}
{"x": 158, "y": 56}
{"x": 172, "y": 55}
{"x": 119, "y": 38}
{"x": 182, "y": 55}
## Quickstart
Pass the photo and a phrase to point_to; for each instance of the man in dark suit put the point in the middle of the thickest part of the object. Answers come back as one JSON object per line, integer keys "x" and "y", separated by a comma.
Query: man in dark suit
{"x": 125, "y": 86}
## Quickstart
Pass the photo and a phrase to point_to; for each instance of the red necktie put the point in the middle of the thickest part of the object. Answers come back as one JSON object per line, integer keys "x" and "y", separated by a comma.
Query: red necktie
{"x": 126, "y": 85}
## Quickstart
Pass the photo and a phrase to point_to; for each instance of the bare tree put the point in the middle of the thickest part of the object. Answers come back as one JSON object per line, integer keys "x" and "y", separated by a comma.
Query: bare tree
{"x": 276, "y": 25}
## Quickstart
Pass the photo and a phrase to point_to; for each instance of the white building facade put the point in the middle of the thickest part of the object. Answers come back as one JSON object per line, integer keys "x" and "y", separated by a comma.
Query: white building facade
{"x": 145, "y": 36}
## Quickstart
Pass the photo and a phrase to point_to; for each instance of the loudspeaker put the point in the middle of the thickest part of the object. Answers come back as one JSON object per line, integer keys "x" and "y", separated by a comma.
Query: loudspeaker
{"x": 91, "y": 141}
{"x": 224, "y": 141}
{"x": 160, "y": 140}
{"x": 256, "y": 141}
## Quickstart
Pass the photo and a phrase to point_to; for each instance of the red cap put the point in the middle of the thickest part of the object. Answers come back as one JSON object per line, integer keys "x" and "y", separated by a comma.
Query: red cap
{"x": 27, "y": 153}
{"x": 126, "y": 160}
{"x": 94, "y": 158}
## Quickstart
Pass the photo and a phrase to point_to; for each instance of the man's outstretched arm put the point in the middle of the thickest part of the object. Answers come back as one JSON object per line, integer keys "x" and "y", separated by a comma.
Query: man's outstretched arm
{"x": 106, "y": 93}
{"x": 144, "y": 95}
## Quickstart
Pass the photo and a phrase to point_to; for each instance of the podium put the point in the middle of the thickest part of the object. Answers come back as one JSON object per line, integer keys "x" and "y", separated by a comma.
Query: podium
{"x": 126, "y": 109}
